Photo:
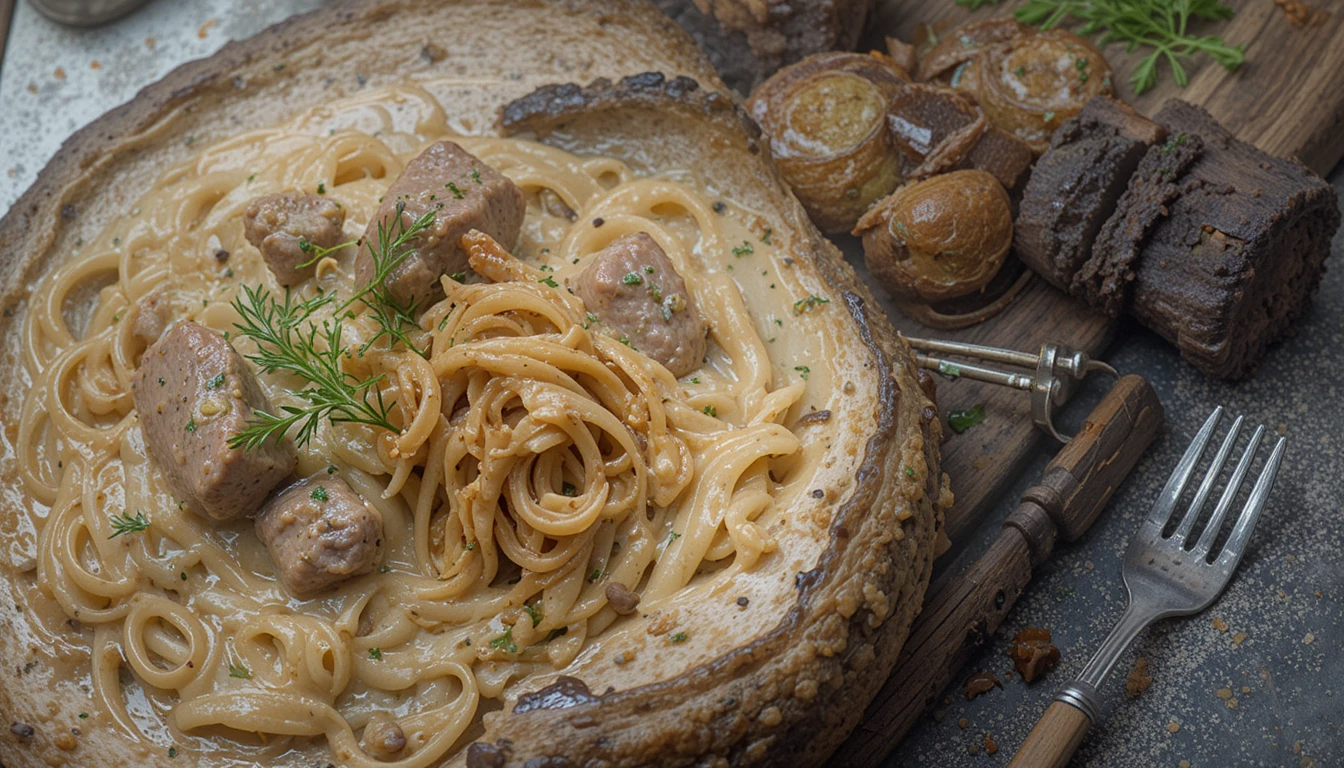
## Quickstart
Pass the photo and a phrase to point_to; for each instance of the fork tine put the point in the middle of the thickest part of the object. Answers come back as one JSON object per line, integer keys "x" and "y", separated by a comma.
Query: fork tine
{"x": 1236, "y": 543}
{"x": 1230, "y": 493}
{"x": 1206, "y": 485}
{"x": 1171, "y": 492}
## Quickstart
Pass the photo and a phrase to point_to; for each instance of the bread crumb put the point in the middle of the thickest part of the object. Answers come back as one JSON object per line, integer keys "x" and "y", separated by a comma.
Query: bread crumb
{"x": 1173, "y": 727}
{"x": 1138, "y": 680}
{"x": 981, "y": 682}
{"x": 1245, "y": 689}
{"x": 1239, "y": 638}
{"x": 95, "y": 64}
{"x": 1232, "y": 703}
{"x": 990, "y": 746}
{"x": 204, "y": 31}
{"x": 1283, "y": 429}
{"x": 1183, "y": 764}
{"x": 1223, "y": 693}
{"x": 59, "y": 73}
{"x": 1219, "y": 624}
{"x": 1309, "y": 639}
{"x": 963, "y": 723}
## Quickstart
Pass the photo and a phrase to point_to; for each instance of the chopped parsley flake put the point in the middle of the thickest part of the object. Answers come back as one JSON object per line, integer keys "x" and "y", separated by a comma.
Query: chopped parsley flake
{"x": 680, "y": 637}
{"x": 239, "y": 671}
{"x": 744, "y": 249}
{"x": 909, "y": 472}
{"x": 319, "y": 494}
{"x": 321, "y": 188}
{"x": 548, "y": 280}
{"x": 457, "y": 193}
{"x": 632, "y": 279}
{"x": 965, "y": 418}
{"x": 376, "y": 654}
{"x": 533, "y": 613}
{"x": 460, "y": 277}
{"x": 191, "y": 424}
{"x": 803, "y": 371}
{"x": 568, "y": 489}
{"x": 808, "y": 304}
{"x": 711, "y": 411}
{"x": 215, "y": 381}
{"x": 505, "y": 642}
{"x": 476, "y": 175}
{"x": 595, "y": 575}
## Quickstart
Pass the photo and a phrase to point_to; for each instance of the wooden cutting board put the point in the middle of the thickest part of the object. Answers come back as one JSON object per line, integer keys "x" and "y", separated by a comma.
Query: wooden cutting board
{"x": 1288, "y": 99}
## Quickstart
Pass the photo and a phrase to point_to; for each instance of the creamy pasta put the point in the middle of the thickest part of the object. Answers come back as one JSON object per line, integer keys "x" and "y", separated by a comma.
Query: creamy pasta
{"x": 538, "y": 460}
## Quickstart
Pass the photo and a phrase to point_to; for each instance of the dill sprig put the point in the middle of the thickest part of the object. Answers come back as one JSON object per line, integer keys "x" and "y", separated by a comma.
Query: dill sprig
{"x": 1161, "y": 25}
{"x": 124, "y": 523}
{"x": 316, "y": 252}
{"x": 393, "y": 317}
{"x": 289, "y": 340}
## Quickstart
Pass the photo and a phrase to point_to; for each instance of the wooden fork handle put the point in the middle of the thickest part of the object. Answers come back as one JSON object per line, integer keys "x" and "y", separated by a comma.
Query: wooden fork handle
{"x": 1052, "y": 742}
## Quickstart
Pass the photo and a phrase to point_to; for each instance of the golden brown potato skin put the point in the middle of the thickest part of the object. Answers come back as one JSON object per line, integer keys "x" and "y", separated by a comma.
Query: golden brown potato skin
{"x": 964, "y": 43}
{"x": 826, "y": 117}
{"x": 940, "y": 238}
{"x": 1030, "y": 85}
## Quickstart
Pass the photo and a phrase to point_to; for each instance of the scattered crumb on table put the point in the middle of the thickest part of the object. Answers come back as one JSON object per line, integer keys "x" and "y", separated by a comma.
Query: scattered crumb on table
{"x": 1138, "y": 680}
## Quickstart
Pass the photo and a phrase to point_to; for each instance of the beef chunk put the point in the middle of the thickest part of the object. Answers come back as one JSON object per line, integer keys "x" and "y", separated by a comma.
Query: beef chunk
{"x": 284, "y": 228}
{"x": 193, "y": 392}
{"x": 929, "y": 121}
{"x": 1075, "y": 185}
{"x": 464, "y": 194}
{"x": 1103, "y": 280}
{"x": 319, "y": 533}
{"x": 1240, "y": 253}
{"x": 637, "y": 295}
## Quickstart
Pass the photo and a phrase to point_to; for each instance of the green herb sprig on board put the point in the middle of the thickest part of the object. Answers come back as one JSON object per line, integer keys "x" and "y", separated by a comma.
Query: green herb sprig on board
{"x": 1159, "y": 25}
{"x": 1162, "y": 26}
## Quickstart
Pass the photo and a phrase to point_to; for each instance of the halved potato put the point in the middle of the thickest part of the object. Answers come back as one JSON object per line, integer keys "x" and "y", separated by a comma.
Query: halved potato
{"x": 778, "y": 678}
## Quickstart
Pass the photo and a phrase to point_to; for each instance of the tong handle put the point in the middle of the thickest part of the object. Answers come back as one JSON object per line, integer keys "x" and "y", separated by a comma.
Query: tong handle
{"x": 1079, "y": 481}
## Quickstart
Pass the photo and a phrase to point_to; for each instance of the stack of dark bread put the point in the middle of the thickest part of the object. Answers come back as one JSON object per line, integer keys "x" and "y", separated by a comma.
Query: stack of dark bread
{"x": 1210, "y": 242}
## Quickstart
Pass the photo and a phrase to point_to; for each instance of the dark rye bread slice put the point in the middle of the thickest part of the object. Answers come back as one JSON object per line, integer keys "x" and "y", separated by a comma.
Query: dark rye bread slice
{"x": 1240, "y": 253}
{"x": 1075, "y": 185}
{"x": 1103, "y": 280}
{"x": 747, "y": 40}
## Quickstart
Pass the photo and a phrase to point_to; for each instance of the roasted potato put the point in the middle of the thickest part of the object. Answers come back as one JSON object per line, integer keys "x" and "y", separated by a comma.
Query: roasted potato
{"x": 826, "y": 117}
{"x": 940, "y": 238}
{"x": 1031, "y": 84}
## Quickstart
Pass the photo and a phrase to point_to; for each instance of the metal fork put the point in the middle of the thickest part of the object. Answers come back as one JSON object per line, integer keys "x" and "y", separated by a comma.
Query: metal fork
{"x": 1165, "y": 575}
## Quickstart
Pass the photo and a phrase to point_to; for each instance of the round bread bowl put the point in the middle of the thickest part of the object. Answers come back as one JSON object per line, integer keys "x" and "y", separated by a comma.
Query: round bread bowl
{"x": 781, "y": 683}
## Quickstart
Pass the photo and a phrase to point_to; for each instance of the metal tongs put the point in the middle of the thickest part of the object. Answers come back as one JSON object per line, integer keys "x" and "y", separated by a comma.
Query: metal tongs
{"x": 1058, "y": 372}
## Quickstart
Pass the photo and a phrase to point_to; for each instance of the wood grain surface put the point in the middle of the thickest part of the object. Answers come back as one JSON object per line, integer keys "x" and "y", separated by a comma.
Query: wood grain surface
{"x": 1287, "y": 99}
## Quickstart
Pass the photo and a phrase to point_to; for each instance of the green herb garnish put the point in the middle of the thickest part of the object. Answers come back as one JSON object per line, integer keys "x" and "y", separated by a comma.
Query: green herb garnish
{"x": 505, "y": 642}
{"x": 965, "y": 418}
{"x": 744, "y": 249}
{"x": 632, "y": 279}
{"x": 127, "y": 524}
{"x": 808, "y": 304}
{"x": 239, "y": 671}
{"x": 1159, "y": 25}
{"x": 319, "y": 494}
{"x": 680, "y": 637}
{"x": 215, "y": 381}
{"x": 376, "y": 654}
{"x": 711, "y": 411}
{"x": 533, "y": 613}
{"x": 802, "y": 370}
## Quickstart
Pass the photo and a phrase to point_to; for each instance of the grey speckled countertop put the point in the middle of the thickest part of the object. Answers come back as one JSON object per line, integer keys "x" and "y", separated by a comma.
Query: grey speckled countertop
{"x": 1281, "y": 653}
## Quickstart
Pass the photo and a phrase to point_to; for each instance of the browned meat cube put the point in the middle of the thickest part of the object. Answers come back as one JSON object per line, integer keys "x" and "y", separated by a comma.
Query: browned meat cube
{"x": 636, "y": 293}
{"x": 193, "y": 392}
{"x": 319, "y": 533}
{"x": 464, "y": 194}
{"x": 284, "y": 226}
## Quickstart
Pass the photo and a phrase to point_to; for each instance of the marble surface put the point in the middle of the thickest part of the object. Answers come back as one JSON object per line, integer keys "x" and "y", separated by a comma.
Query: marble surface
{"x": 1255, "y": 681}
